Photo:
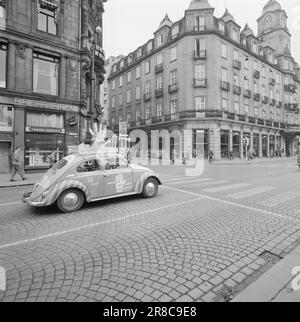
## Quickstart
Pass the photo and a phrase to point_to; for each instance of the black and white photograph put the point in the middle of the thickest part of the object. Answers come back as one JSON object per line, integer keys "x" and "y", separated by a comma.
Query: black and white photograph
{"x": 149, "y": 154}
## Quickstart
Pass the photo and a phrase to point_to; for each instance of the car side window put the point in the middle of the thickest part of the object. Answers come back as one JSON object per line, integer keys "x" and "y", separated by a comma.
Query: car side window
{"x": 114, "y": 164}
{"x": 88, "y": 166}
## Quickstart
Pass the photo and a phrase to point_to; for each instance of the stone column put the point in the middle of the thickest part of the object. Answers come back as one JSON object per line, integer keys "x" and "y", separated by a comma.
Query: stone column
{"x": 214, "y": 141}
{"x": 260, "y": 145}
{"x": 268, "y": 145}
{"x": 242, "y": 145}
{"x": 63, "y": 78}
{"x": 230, "y": 140}
{"x": 11, "y": 80}
{"x": 251, "y": 140}
{"x": 29, "y": 69}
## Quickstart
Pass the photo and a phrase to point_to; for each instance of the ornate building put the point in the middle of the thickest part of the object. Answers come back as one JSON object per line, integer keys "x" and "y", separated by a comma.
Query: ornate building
{"x": 51, "y": 68}
{"x": 208, "y": 73}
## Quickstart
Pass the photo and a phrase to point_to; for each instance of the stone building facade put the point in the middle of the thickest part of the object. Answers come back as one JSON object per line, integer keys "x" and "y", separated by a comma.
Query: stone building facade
{"x": 207, "y": 73}
{"x": 48, "y": 51}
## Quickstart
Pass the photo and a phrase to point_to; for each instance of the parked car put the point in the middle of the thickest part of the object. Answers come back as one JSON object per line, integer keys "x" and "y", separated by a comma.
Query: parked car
{"x": 91, "y": 177}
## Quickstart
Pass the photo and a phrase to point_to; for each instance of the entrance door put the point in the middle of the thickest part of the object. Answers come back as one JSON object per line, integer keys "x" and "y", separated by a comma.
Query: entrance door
{"x": 4, "y": 157}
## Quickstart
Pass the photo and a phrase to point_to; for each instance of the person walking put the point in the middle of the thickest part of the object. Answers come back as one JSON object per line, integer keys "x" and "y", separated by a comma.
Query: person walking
{"x": 16, "y": 165}
{"x": 210, "y": 156}
{"x": 52, "y": 159}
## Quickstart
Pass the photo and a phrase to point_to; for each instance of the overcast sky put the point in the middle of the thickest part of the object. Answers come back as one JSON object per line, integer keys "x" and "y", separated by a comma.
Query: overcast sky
{"x": 130, "y": 23}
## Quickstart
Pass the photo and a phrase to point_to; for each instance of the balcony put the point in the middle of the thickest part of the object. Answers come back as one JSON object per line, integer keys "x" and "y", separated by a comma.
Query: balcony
{"x": 214, "y": 114}
{"x": 159, "y": 68}
{"x": 237, "y": 90}
{"x": 147, "y": 97}
{"x": 200, "y": 28}
{"x": 260, "y": 122}
{"x": 256, "y": 97}
{"x": 157, "y": 119}
{"x": 230, "y": 116}
{"x": 292, "y": 107}
{"x": 173, "y": 88}
{"x": 225, "y": 86}
{"x": 187, "y": 114}
{"x": 252, "y": 120}
{"x": 247, "y": 93}
{"x": 265, "y": 99}
{"x": 276, "y": 124}
{"x": 242, "y": 118}
{"x": 272, "y": 81}
{"x": 272, "y": 102}
{"x": 200, "y": 54}
{"x": 290, "y": 88}
{"x": 256, "y": 74}
{"x": 237, "y": 64}
{"x": 159, "y": 92}
{"x": 200, "y": 83}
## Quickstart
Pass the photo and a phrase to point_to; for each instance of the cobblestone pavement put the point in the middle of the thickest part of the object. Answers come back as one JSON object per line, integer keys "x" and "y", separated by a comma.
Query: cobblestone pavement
{"x": 199, "y": 238}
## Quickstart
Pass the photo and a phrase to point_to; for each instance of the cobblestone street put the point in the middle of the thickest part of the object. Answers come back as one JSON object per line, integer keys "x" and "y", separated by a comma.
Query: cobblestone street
{"x": 201, "y": 239}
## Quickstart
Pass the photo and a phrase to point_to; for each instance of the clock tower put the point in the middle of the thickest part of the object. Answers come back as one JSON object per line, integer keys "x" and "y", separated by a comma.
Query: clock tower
{"x": 272, "y": 27}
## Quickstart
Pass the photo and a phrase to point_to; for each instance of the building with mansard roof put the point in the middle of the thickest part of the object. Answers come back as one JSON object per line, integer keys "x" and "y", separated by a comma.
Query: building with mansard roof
{"x": 207, "y": 73}
{"x": 48, "y": 49}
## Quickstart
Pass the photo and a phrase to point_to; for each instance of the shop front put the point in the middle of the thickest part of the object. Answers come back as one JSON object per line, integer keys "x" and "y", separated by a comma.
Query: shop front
{"x": 6, "y": 136}
{"x": 45, "y": 135}
{"x": 256, "y": 144}
{"x": 236, "y": 143}
{"x": 224, "y": 144}
{"x": 264, "y": 146}
{"x": 272, "y": 145}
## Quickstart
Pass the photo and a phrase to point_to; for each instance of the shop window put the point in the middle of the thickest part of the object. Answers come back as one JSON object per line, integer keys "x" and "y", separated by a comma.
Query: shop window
{"x": 46, "y": 120}
{"x": 3, "y": 57}
{"x": 45, "y": 74}
{"x": 6, "y": 118}
{"x": 47, "y": 13}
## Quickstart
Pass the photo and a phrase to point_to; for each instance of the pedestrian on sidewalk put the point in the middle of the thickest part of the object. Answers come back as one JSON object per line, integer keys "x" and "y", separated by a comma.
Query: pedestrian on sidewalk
{"x": 210, "y": 156}
{"x": 16, "y": 165}
{"x": 51, "y": 159}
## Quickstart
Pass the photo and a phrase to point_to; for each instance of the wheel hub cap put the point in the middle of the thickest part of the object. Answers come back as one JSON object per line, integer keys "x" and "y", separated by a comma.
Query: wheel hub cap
{"x": 150, "y": 188}
{"x": 70, "y": 199}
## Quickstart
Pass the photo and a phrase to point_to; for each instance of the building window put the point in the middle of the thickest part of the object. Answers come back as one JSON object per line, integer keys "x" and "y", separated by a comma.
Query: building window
{"x": 45, "y": 74}
{"x": 256, "y": 111}
{"x": 200, "y": 46}
{"x": 256, "y": 88}
{"x": 3, "y": 57}
{"x": 255, "y": 48}
{"x": 129, "y": 77}
{"x": 225, "y": 101}
{"x": 120, "y": 118}
{"x": 199, "y": 24}
{"x": 236, "y": 79}
{"x": 128, "y": 117}
{"x": 130, "y": 58}
{"x": 224, "y": 51}
{"x": 148, "y": 112}
{"x": 46, "y": 20}
{"x": 138, "y": 93}
{"x": 264, "y": 90}
{"x": 113, "y": 120}
{"x": 121, "y": 81}
{"x": 236, "y": 106}
{"x": 159, "y": 59}
{"x": 147, "y": 87}
{"x": 159, "y": 109}
{"x": 160, "y": 40}
{"x": 236, "y": 55}
{"x": 113, "y": 102}
{"x": 113, "y": 85}
{"x": 221, "y": 26}
{"x": 277, "y": 78}
{"x": 224, "y": 75}
{"x": 147, "y": 67}
{"x": 175, "y": 31}
{"x": 247, "y": 106}
{"x": 246, "y": 62}
{"x": 138, "y": 72}
{"x": 173, "y": 77}
{"x": 122, "y": 64}
{"x": 173, "y": 106}
{"x": 264, "y": 114}
{"x": 200, "y": 72}
{"x": 159, "y": 82}
{"x": 200, "y": 102}
{"x": 173, "y": 53}
{"x": 2, "y": 16}
{"x": 246, "y": 83}
{"x": 264, "y": 72}
{"x": 120, "y": 99}
{"x": 128, "y": 96}
{"x": 138, "y": 115}
{"x": 149, "y": 46}
{"x": 139, "y": 53}
{"x": 46, "y": 120}
{"x": 6, "y": 118}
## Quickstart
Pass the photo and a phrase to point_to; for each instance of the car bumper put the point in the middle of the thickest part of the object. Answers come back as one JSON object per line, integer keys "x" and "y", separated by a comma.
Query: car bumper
{"x": 27, "y": 202}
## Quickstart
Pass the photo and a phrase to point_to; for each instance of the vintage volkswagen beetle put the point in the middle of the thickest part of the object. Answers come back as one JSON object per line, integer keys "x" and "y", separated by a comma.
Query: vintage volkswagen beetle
{"x": 91, "y": 177}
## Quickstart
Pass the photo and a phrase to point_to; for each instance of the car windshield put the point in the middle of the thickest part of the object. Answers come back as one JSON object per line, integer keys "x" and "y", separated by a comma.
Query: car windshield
{"x": 61, "y": 164}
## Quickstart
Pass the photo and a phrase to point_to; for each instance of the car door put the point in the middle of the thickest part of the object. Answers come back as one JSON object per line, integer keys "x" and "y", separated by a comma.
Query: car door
{"x": 89, "y": 173}
{"x": 118, "y": 177}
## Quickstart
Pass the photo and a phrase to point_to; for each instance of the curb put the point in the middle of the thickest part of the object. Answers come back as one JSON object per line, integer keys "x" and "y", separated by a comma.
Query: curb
{"x": 17, "y": 185}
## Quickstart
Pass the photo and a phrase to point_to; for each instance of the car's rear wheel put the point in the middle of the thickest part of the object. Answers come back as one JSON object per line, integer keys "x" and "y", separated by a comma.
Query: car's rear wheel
{"x": 70, "y": 200}
{"x": 150, "y": 188}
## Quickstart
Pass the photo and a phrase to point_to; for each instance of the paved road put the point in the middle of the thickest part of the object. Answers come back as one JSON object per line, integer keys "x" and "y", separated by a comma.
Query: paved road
{"x": 200, "y": 239}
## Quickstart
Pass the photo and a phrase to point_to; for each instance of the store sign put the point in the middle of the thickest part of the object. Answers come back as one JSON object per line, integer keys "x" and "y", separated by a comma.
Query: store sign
{"x": 34, "y": 129}
{"x": 47, "y": 105}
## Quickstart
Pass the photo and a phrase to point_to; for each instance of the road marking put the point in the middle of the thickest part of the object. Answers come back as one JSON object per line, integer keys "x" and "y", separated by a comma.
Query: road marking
{"x": 250, "y": 193}
{"x": 183, "y": 181}
{"x": 235, "y": 204}
{"x": 226, "y": 188}
{"x": 212, "y": 183}
{"x": 10, "y": 203}
{"x": 68, "y": 231}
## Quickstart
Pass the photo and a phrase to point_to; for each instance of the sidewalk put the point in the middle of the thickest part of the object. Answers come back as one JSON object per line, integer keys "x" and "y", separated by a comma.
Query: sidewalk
{"x": 32, "y": 179}
{"x": 276, "y": 285}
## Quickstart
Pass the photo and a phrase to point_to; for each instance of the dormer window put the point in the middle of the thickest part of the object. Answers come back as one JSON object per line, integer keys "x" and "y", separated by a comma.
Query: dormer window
{"x": 160, "y": 40}
{"x": 47, "y": 17}
{"x": 221, "y": 26}
{"x": 254, "y": 47}
{"x": 149, "y": 46}
{"x": 175, "y": 31}
{"x": 199, "y": 24}
{"x": 139, "y": 53}
{"x": 234, "y": 35}
{"x": 114, "y": 69}
{"x": 130, "y": 59}
{"x": 244, "y": 41}
{"x": 121, "y": 64}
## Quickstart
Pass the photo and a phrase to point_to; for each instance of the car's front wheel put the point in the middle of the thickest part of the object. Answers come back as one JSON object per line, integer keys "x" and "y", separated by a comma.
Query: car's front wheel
{"x": 70, "y": 200}
{"x": 150, "y": 188}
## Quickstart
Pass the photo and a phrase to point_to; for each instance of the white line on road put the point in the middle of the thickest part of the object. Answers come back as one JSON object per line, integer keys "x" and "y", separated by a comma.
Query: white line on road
{"x": 226, "y": 188}
{"x": 265, "y": 212}
{"x": 10, "y": 203}
{"x": 25, "y": 241}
